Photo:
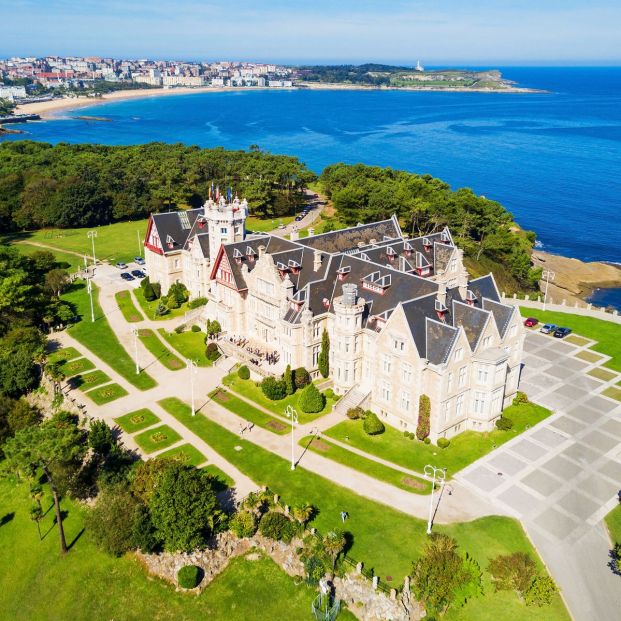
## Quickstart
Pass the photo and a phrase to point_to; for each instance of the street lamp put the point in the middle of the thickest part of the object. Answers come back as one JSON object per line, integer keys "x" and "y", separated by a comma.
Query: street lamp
{"x": 91, "y": 235}
{"x": 89, "y": 288}
{"x": 192, "y": 366}
{"x": 139, "y": 244}
{"x": 135, "y": 332}
{"x": 293, "y": 415}
{"x": 548, "y": 275}
{"x": 433, "y": 473}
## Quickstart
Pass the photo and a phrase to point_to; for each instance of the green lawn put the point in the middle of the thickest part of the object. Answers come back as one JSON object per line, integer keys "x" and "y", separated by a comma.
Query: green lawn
{"x": 86, "y": 381}
{"x": 136, "y": 421}
{"x": 150, "y": 340}
{"x": 38, "y": 584}
{"x": 245, "y": 410}
{"x": 64, "y": 354}
{"x": 121, "y": 241}
{"x": 70, "y": 262}
{"x": 99, "y": 337}
{"x": 263, "y": 225}
{"x": 248, "y": 389}
{"x": 613, "y": 522}
{"x": 149, "y": 308}
{"x": 366, "y": 466}
{"x": 607, "y": 334}
{"x": 188, "y": 344}
{"x": 157, "y": 438}
{"x": 76, "y": 366}
{"x": 465, "y": 448}
{"x": 224, "y": 481}
{"x": 126, "y": 306}
{"x": 107, "y": 393}
{"x": 385, "y": 539}
{"x": 186, "y": 454}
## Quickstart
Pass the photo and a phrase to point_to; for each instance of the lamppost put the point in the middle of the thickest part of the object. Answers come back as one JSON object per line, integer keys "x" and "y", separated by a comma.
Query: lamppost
{"x": 548, "y": 275}
{"x": 433, "y": 473}
{"x": 139, "y": 244}
{"x": 135, "y": 332}
{"x": 91, "y": 235}
{"x": 192, "y": 366}
{"x": 89, "y": 288}
{"x": 293, "y": 415}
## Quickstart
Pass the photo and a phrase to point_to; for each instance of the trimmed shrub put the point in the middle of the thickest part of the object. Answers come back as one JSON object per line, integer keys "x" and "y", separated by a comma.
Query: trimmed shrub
{"x": 212, "y": 352}
{"x": 504, "y": 424}
{"x": 323, "y": 362}
{"x": 196, "y": 328}
{"x": 173, "y": 302}
{"x": 372, "y": 425}
{"x": 161, "y": 309}
{"x": 288, "y": 379}
{"x": 243, "y": 372}
{"x": 180, "y": 329}
{"x": 358, "y": 412}
{"x": 443, "y": 442}
{"x": 274, "y": 389}
{"x": 301, "y": 377}
{"x": 540, "y": 592}
{"x": 213, "y": 328}
{"x": 424, "y": 414}
{"x": 520, "y": 398}
{"x": 513, "y": 572}
{"x": 148, "y": 292}
{"x": 412, "y": 435}
{"x": 329, "y": 394}
{"x": 144, "y": 282}
{"x": 277, "y": 526}
{"x": 196, "y": 302}
{"x": 427, "y": 440}
{"x": 311, "y": 400}
{"x": 179, "y": 292}
{"x": 189, "y": 576}
{"x": 243, "y": 524}
{"x": 157, "y": 289}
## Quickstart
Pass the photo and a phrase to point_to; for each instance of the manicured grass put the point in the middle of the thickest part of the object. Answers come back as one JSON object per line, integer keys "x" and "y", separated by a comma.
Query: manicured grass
{"x": 126, "y": 306}
{"x": 76, "y": 366}
{"x": 107, "y": 393}
{"x": 64, "y": 354}
{"x": 149, "y": 308}
{"x": 465, "y": 448}
{"x": 189, "y": 345}
{"x": 606, "y": 333}
{"x": 245, "y": 410}
{"x": 86, "y": 381}
{"x": 367, "y": 466}
{"x": 136, "y": 421}
{"x": 385, "y": 539}
{"x": 157, "y": 438}
{"x": 38, "y": 584}
{"x": 150, "y": 340}
{"x": 613, "y": 522}
{"x": 99, "y": 337}
{"x": 263, "y": 225}
{"x": 224, "y": 480}
{"x": 70, "y": 262}
{"x": 588, "y": 356}
{"x": 602, "y": 374}
{"x": 186, "y": 454}
{"x": 114, "y": 242}
{"x": 613, "y": 392}
{"x": 249, "y": 389}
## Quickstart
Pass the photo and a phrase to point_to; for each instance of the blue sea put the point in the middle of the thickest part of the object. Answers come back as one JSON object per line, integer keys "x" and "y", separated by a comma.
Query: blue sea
{"x": 553, "y": 159}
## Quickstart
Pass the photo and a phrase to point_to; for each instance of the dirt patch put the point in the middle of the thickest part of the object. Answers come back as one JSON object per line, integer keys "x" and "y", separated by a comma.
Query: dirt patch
{"x": 221, "y": 396}
{"x": 175, "y": 364}
{"x": 122, "y": 295}
{"x": 413, "y": 483}
{"x": 319, "y": 445}
{"x": 144, "y": 332}
{"x": 134, "y": 318}
{"x": 276, "y": 425}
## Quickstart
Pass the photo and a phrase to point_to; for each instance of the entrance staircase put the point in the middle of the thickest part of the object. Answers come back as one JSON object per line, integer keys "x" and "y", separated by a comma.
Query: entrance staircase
{"x": 354, "y": 397}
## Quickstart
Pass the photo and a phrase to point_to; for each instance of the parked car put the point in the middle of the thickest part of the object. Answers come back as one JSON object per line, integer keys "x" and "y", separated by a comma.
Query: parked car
{"x": 299, "y": 217}
{"x": 531, "y": 322}
{"x": 138, "y": 273}
{"x": 548, "y": 328}
{"x": 127, "y": 276}
{"x": 121, "y": 265}
{"x": 139, "y": 260}
{"x": 281, "y": 226}
{"x": 561, "y": 333}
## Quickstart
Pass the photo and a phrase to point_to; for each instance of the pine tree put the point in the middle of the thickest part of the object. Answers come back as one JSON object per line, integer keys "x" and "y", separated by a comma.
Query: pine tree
{"x": 288, "y": 377}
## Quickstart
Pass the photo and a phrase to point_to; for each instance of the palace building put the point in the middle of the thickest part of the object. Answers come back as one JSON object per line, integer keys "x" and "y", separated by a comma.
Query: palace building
{"x": 402, "y": 316}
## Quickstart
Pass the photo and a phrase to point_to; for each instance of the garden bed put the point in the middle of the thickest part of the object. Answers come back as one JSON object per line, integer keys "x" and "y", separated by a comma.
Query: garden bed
{"x": 157, "y": 438}
{"x": 126, "y": 306}
{"x": 161, "y": 353}
{"x": 136, "y": 421}
{"x": 106, "y": 394}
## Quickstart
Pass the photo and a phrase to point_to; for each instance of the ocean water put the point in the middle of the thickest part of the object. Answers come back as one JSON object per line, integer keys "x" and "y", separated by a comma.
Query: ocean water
{"x": 553, "y": 159}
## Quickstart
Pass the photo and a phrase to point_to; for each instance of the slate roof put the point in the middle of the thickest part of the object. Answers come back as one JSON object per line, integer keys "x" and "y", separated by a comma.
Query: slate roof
{"x": 502, "y": 314}
{"x": 471, "y": 319}
{"x": 173, "y": 224}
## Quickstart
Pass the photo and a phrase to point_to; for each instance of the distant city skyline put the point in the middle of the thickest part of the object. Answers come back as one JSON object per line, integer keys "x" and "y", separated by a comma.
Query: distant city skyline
{"x": 483, "y": 32}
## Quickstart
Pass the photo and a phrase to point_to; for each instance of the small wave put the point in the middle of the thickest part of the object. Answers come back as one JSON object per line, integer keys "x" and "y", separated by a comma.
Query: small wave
{"x": 538, "y": 244}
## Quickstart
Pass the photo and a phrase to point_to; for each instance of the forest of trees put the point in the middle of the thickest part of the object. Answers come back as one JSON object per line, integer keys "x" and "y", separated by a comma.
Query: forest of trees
{"x": 350, "y": 74}
{"x": 85, "y": 185}
{"x": 483, "y": 228}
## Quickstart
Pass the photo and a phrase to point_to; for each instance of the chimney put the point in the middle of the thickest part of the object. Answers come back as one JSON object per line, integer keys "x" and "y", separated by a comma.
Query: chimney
{"x": 442, "y": 293}
{"x": 261, "y": 251}
{"x": 317, "y": 261}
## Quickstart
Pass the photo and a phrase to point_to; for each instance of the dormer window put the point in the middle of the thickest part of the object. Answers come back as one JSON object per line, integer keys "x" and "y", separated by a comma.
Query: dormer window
{"x": 326, "y": 303}
{"x": 170, "y": 242}
{"x": 390, "y": 253}
{"x": 440, "y": 310}
{"x": 250, "y": 253}
{"x": 237, "y": 255}
{"x": 342, "y": 272}
{"x": 407, "y": 247}
{"x": 471, "y": 298}
{"x": 364, "y": 256}
{"x": 295, "y": 266}
{"x": 445, "y": 237}
{"x": 376, "y": 282}
{"x": 422, "y": 265}
{"x": 201, "y": 223}
{"x": 427, "y": 245}
{"x": 282, "y": 269}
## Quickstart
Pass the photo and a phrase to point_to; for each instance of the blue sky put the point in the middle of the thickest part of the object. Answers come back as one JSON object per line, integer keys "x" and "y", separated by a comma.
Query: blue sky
{"x": 436, "y": 31}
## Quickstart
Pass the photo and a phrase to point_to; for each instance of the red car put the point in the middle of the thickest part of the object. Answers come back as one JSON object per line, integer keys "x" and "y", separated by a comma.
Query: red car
{"x": 531, "y": 322}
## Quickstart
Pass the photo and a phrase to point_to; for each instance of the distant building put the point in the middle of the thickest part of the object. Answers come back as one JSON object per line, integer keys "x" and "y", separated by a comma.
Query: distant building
{"x": 12, "y": 92}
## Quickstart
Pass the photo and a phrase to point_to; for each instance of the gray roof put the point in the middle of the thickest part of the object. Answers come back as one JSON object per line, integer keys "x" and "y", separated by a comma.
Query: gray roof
{"x": 177, "y": 225}
{"x": 471, "y": 319}
{"x": 502, "y": 314}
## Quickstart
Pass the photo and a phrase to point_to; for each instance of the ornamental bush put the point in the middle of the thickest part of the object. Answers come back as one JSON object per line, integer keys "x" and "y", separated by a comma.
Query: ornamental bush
{"x": 301, "y": 377}
{"x": 311, "y": 400}
{"x": 372, "y": 425}
{"x": 540, "y": 592}
{"x": 277, "y": 526}
{"x": 196, "y": 302}
{"x": 196, "y": 328}
{"x": 173, "y": 302}
{"x": 179, "y": 292}
{"x": 274, "y": 389}
{"x": 189, "y": 576}
{"x": 180, "y": 329}
{"x": 513, "y": 572}
{"x": 427, "y": 440}
{"x": 424, "y": 413}
{"x": 443, "y": 442}
{"x": 356, "y": 413}
{"x": 243, "y": 524}
{"x": 520, "y": 398}
{"x": 323, "y": 362}
{"x": 243, "y": 372}
{"x": 288, "y": 379}
{"x": 212, "y": 352}
{"x": 147, "y": 291}
{"x": 157, "y": 289}
{"x": 504, "y": 424}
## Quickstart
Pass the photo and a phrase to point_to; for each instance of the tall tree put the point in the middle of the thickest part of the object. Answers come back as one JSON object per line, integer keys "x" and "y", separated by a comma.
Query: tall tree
{"x": 323, "y": 362}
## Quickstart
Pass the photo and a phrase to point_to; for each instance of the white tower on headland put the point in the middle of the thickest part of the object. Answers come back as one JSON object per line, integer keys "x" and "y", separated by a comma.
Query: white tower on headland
{"x": 419, "y": 67}
{"x": 226, "y": 222}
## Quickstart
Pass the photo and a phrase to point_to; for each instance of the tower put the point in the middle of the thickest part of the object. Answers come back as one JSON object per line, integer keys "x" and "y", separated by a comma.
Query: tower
{"x": 226, "y": 222}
